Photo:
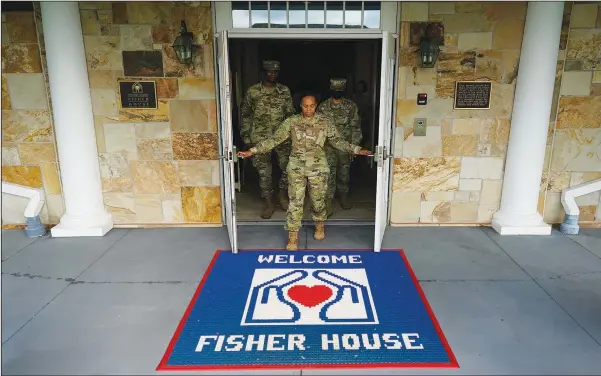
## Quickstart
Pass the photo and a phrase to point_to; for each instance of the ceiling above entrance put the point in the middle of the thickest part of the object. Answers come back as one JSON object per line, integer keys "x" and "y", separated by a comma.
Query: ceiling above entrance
{"x": 306, "y": 14}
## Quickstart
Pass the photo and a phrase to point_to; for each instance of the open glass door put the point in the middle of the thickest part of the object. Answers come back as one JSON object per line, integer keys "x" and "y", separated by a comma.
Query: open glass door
{"x": 382, "y": 152}
{"x": 229, "y": 156}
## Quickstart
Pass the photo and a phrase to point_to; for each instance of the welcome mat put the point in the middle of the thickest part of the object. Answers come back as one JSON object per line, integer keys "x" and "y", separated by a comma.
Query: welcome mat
{"x": 312, "y": 309}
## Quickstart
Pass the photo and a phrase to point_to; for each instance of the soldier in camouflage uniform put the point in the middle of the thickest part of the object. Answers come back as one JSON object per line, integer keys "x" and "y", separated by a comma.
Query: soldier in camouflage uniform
{"x": 265, "y": 106}
{"x": 345, "y": 115}
{"x": 309, "y": 133}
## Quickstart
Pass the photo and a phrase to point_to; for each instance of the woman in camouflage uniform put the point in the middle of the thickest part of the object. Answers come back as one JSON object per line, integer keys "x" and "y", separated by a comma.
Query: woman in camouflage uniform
{"x": 308, "y": 163}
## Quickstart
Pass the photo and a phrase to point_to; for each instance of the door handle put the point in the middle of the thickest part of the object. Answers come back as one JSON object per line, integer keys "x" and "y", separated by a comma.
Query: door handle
{"x": 230, "y": 155}
{"x": 381, "y": 154}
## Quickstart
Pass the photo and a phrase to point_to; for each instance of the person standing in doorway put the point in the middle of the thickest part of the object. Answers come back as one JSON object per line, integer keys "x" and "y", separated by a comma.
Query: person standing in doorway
{"x": 309, "y": 132}
{"x": 265, "y": 106}
{"x": 362, "y": 98}
{"x": 344, "y": 113}
{"x": 361, "y": 95}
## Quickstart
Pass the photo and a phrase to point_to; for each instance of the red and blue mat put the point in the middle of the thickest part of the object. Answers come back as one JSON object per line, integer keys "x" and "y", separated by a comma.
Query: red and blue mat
{"x": 267, "y": 309}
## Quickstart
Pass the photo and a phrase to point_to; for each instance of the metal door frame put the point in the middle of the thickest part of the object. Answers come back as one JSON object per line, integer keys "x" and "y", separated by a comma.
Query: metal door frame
{"x": 390, "y": 21}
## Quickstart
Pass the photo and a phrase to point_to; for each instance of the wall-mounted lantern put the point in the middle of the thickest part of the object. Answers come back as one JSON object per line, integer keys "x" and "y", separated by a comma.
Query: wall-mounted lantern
{"x": 428, "y": 52}
{"x": 184, "y": 45}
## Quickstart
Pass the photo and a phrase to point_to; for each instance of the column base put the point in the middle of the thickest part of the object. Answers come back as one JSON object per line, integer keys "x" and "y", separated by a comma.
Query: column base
{"x": 71, "y": 227}
{"x": 506, "y": 224}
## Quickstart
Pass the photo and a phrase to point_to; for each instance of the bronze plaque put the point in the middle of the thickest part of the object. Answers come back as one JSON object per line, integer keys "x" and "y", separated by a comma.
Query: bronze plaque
{"x": 142, "y": 63}
{"x": 472, "y": 95}
{"x": 138, "y": 94}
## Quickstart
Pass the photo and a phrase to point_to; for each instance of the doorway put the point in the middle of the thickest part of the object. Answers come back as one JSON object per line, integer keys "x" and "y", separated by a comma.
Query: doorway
{"x": 309, "y": 65}
{"x": 271, "y": 34}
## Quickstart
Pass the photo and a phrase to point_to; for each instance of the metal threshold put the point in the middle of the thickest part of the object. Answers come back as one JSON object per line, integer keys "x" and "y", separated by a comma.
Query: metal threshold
{"x": 329, "y": 222}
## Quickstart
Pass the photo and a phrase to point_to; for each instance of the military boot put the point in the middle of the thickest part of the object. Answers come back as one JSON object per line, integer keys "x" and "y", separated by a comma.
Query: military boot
{"x": 320, "y": 232}
{"x": 344, "y": 202}
{"x": 292, "y": 241}
{"x": 283, "y": 198}
{"x": 268, "y": 208}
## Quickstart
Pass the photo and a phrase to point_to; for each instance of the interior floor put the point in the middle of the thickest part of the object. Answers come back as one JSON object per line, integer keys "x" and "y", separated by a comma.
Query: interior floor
{"x": 308, "y": 66}
{"x": 362, "y": 193}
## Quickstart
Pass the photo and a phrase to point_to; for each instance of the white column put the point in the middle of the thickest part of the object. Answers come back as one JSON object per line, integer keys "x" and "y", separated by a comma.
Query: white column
{"x": 529, "y": 122}
{"x": 85, "y": 214}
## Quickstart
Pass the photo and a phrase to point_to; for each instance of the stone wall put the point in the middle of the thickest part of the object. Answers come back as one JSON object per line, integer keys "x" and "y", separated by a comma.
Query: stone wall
{"x": 574, "y": 143}
{"x": 161, "y": 166}
{"x": 28, "y": 145}
{"x": 454, "y": 173}
{"x": 157, "y": 166}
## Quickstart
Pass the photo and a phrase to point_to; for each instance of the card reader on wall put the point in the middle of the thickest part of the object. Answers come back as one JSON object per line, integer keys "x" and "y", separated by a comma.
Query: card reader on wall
{"x": 419, "y": 127}
{"x": 422, "y": 99}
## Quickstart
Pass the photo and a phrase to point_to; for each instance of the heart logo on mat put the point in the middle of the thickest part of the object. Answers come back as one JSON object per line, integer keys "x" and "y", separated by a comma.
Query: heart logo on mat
{"x": 310, "y": 296}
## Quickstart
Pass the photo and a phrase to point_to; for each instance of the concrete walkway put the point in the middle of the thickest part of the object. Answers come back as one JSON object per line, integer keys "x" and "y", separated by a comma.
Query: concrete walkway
{"x": 507, "y": 305}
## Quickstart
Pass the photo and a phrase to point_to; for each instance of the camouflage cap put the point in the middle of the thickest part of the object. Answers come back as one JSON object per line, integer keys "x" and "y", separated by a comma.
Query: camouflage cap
{"x": 271, "y": 65}
{"x": 338, "y": 84}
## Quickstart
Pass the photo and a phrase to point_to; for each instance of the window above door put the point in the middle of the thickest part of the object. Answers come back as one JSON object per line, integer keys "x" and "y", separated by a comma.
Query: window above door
{"x": 306, "y": 15}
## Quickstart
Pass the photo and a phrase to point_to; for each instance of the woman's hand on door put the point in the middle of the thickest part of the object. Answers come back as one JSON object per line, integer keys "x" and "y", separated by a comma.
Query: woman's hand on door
{"x": 244, "y": 154}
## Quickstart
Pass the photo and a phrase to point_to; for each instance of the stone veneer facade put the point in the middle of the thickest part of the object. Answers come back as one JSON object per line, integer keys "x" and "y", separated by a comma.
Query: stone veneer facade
{"x": 454, "y": 173}
{"x": 28, "y": 144}
{"x": 160, "y": 167}
{"x": 574, "y": 144}
{"x": 157, "y": 166}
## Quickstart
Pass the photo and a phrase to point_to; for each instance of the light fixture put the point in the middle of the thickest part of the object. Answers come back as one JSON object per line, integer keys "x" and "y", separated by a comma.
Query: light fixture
{"x": 428, "y": 52}
{"x": 184, "y": 45}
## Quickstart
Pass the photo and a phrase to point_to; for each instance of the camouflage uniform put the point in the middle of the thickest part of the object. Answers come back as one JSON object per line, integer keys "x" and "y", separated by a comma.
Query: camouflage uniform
{"x": 307, "y": 162}
{"x": 263, "y": 110}
{"x": 345, "y": 116}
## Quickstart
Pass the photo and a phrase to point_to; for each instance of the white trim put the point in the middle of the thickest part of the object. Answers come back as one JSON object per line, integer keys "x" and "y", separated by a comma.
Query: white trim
{"x": 532, "y": 105}
{"x": 388, "y": 16}
{"x": 35, "y": 196}
{"x": 223, "y": 16}
{"x": 395, "y": 93}
{"x": 540, "y": 229}
{"x": 214, "y": 7}
{"x": 389, "y": 11}
{"x": 363, "y": 13}
{"x": 568, "y": 196}
{"x": 85, "y": 212}
{"x": 225, "y": 130}
{"x": 304, "y": 34}
{"x": 389, "y": 21}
